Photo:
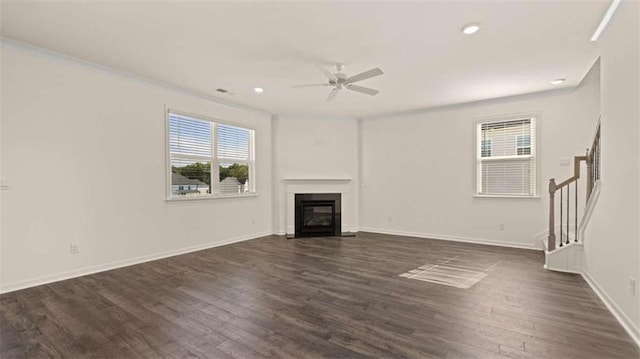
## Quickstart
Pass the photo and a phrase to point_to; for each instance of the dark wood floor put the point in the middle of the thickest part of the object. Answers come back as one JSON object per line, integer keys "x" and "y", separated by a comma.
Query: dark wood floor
{"x": 337, "y": 298}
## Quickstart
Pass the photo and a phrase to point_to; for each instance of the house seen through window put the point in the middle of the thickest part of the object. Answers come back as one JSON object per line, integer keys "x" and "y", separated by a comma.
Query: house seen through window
{"x": 485, "y": 148}
{"x": 506, "y": 157}
{"x": 209, "y": 158}
{"x": 523, "y": 144}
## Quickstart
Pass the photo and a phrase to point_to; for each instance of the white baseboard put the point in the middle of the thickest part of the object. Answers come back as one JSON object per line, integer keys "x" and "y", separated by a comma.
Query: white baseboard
{"x": 623, "y": 319}
{"x": 451, "y": 238}
{"x": 11, "y": 287}
{"x": 562, "y": 270}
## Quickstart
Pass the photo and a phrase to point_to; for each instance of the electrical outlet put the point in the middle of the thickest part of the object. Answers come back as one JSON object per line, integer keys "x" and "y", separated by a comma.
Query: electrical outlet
{"x": 253, "y": 221}
{"x": 74, "y": 248}
{"x": 632, "y": 285}
{"x": 389, "y": 219}
{"x": 502, "y": 227}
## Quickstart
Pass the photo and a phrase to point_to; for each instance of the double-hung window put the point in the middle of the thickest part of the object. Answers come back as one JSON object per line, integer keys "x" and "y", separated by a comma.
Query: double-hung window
{"x": 506, "y": 157}
{"x": 208, "y": 158}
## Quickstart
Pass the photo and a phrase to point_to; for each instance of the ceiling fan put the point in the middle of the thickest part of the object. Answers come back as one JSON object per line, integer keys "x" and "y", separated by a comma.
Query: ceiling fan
{"x": 339, "y": 81}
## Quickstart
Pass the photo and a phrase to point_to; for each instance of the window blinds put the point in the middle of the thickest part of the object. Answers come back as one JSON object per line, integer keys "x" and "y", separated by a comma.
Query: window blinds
{"x": 188, "y": 136}
{"x": 233, "y": 142}
{"x": 506, "y": 158}
{"x": 201, "y": 150}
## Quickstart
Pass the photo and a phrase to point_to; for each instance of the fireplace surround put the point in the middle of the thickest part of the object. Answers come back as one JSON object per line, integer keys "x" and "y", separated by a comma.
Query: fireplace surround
{"x": 318, "y": 214}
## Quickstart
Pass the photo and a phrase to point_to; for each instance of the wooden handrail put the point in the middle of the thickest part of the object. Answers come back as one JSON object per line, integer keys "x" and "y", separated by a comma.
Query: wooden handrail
{"x": 593, "y": 168}
{"x": 595, "y": 143}
{"x": 592, "y": 160}
{"x": 576, "y": 173}
{"x": 589, "y": 173}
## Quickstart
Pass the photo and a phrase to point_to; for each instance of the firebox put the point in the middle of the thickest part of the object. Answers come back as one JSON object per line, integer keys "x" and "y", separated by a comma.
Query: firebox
{"x": 318, "y": 215}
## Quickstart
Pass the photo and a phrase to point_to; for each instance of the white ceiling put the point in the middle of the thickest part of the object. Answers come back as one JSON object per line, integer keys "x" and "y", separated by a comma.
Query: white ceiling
{"x": 427, "y": 61}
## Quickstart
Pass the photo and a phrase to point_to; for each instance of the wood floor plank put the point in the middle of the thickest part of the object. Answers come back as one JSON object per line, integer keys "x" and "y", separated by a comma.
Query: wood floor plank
{"x": 316, "y": 298}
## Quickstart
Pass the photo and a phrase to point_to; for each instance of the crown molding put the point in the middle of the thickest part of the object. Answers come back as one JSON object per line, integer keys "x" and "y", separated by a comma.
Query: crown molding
{"x": 8, "y": 43}
{"x": 497, "y": 100}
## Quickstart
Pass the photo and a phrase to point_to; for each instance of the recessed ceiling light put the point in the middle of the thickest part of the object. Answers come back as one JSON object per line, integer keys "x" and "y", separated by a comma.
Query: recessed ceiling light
{"x": 557, "y": 81}
{"x": 471, "y": 29}
{"x": 258, "y": 90}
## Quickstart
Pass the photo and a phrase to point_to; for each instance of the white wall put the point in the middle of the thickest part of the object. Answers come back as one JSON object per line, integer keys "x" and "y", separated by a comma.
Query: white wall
{"x": 419, "y": 169}
{"x": 315, "y": 148}
{"x": 612, "y": 238}
{"x": 85, "y": 154}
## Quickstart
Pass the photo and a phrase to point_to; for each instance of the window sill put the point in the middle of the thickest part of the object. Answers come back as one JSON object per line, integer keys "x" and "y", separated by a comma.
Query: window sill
{"x": 505, "y": 196}
{"x": 211, "y": 197}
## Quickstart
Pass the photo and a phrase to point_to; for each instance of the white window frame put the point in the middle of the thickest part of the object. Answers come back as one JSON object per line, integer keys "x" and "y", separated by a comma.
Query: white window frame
{"x": 214, "y": 159}
{"x": 478, "y": 159}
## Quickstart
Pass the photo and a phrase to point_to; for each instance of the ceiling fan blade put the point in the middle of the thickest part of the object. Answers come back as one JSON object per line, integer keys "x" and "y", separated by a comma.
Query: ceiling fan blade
{"x": 327, "y": 73}
{"x": 364, "y": 75}
{"x": 311, "y": 85}
{"x": 332, "y": 94}
{"x": 361, "y": 89}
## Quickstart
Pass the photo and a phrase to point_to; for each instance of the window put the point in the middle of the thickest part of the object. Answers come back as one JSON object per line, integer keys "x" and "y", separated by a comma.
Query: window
{"x": 523, "y": 144}
{"x": 209, "y": 159}
{"x": 505, "y": 155}
{"x": 485, "y": 148}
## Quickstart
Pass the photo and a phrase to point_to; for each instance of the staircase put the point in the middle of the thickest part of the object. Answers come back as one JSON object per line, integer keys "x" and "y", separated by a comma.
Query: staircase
{"x": 571, "y": 203}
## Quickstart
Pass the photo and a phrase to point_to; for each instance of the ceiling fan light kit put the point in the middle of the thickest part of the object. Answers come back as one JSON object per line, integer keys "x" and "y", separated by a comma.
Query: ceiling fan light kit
{"x": 341, "y": 81}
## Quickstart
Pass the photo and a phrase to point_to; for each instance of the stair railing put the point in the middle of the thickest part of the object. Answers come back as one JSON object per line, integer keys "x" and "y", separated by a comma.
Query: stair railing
{"x": 592, "y": 160}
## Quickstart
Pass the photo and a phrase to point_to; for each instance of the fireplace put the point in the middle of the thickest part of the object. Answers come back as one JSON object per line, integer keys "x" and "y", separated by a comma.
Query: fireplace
{"x": 317, "y": 214}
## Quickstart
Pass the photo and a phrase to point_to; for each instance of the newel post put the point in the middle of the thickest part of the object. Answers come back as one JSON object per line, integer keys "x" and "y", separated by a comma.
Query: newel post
{"x": 551, "y": 243}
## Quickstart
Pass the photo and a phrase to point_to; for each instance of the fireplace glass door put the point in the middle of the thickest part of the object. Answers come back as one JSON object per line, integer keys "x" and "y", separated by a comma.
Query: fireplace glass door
{"x": 318, "y": 217}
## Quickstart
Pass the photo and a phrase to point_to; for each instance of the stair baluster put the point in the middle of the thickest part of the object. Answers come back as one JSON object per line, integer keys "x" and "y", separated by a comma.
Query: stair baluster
{"x": 592, "y": 160}
{"x": 575, "y": 217}
{"x": 568, "y": 206}
{"x": 561, "y": 224}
